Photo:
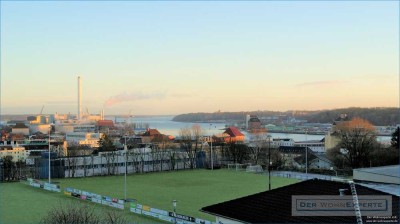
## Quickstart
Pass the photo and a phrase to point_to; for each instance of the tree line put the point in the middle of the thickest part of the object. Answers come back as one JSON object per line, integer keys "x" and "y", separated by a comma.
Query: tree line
{"x": 377, "y": 116}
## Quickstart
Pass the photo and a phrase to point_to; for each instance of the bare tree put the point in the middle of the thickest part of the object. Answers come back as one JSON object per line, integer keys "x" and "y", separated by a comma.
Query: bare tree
{"x": 136, "y": 161}
{"x": 72, "y": 159}
{"x": 190, "y": 136}
{"x": 84, "y": 153}
{"x": 197, "y": 133}
{"x": 257, "y": 145}
{"x": 172, "y": 159}
{"x": 277, "y": 159}
{"x": 110, "y": 160}
{"x": 237, "y": 152}
{"x": 111, "y": 216}
{"x": 73, "y": 213}
{"x": 9, "y": 168}
{"x": 187, "y": 143}
{"x": 357, "y": 138}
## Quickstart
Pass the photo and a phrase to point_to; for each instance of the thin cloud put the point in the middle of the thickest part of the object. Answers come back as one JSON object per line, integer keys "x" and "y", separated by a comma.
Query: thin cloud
{"x": 68, "y": 102}
{"x": 181, "y": 95}
{"x": 126, "y": 97}
{"x": 376, "y": 77}
{"x": 329, "y": 83}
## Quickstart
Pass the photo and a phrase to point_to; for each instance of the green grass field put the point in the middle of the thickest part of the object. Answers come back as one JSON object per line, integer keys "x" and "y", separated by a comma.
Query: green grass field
{"x": 193, "y": 189}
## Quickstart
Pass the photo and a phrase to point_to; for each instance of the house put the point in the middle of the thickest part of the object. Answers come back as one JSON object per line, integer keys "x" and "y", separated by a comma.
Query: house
{"x": 289, "y": 153}
{"x": 20, "y": 128}
{"x": 278, "y": 142}
{"x": 254, "y": 122}
{"x": 315, "y": 145}
{"x": 331, "y": 138}
{"x": 234, "y": 135}
{"x": 18, "y": 153}
{"x": 90, "y": 139}
{"x": 254, "y": 125}
{"x": 105, "y": 125}
{"x": 153, "y": 135}
{"x": 280, "y": 205}
{"x": 314, "y": 160}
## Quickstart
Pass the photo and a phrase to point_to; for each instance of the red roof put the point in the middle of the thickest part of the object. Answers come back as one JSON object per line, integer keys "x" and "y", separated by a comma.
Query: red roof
{"x": 233, "y": 132}
{"x": 105, "y": 123}
{"x": 151, "y": 132}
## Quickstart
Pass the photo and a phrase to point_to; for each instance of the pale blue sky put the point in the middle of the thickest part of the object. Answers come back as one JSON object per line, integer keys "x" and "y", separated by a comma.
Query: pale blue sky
{"x": 178, "y": 57}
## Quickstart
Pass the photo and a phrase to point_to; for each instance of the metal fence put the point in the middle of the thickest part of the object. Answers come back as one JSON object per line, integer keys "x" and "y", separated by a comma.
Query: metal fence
{"x": 300, "y": 176}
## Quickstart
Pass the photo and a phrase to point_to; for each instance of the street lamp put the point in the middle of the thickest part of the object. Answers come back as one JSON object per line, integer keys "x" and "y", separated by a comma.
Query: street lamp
{"x": 49, "y": 155}
{"x": 125, "y": 151}
{"x": 211, "y": 151}
{"x": 269, "y": 161}
{"x": 306, "y": 156}
{"x": 174, "y": 204}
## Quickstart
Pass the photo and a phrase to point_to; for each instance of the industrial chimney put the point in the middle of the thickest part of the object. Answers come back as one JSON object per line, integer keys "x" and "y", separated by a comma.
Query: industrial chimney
{"x": 79, "y": 115}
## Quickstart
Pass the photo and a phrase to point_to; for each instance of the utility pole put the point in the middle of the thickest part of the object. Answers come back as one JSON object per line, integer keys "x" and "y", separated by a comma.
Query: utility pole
{"x": 269, "y": 162}
{"x": 125, "y": 151}
{"x": 211, "y": 150}
{"x": 49, "y": 155}
{"x": 306, "y": 157}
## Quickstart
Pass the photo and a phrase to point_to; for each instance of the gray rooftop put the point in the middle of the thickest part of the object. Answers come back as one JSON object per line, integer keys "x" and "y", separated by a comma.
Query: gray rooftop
{"x": 393, "y": 171}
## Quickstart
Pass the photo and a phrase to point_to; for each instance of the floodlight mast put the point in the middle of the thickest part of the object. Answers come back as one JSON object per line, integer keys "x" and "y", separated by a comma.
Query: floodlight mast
{"x": 125, "y": 151}
{"x": 269, "y": 162}
{"x": 211, "y": 150}
{"x": 49, "y": 155}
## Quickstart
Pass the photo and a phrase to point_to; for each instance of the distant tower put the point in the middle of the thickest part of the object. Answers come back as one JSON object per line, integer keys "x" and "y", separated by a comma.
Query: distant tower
{"x": 79, "y": 99}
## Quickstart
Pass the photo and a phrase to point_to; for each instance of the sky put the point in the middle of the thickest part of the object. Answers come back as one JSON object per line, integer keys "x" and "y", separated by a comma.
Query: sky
{"x": 165, "y": 57}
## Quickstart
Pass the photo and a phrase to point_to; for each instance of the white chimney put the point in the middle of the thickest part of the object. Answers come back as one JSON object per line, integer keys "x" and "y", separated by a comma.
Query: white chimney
{"x": 247, "y": 121}
{"x": 79, "y": 115}
{"x": 102, "y": 115}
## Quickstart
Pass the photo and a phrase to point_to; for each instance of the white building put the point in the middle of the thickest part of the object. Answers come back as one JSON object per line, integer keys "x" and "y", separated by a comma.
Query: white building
{"x": 43, "y": 128}
{"x": 314, "y": 145}
{"x": 20, "y": 128}
{"x": 277, "y": 142}
{"x": 138, "y": 161}
{"x": 84, "y": 138}
{"x": 17, "y": 152}
{"x": 85, "y": 128}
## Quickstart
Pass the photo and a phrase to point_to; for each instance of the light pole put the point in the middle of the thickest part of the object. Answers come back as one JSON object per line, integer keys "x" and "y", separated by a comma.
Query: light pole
{"x": 306, "y": 156}
{"x": 211, "y": 151}
{"x": 174, "y": 204}
{"x": 269, "y": 162}
{"x": 49, "y": 155}
{"x": 125, "y": 151}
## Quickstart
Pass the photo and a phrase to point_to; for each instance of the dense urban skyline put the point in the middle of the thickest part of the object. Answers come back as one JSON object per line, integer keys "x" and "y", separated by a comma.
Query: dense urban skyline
{"x": 178, "y": 57}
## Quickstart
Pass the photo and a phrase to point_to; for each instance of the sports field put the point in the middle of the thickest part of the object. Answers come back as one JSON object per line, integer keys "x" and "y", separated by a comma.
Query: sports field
{"x": 193, "y": 189}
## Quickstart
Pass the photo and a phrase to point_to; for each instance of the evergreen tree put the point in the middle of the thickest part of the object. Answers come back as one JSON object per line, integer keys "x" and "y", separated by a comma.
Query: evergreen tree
{"x": 106, "y": 144}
